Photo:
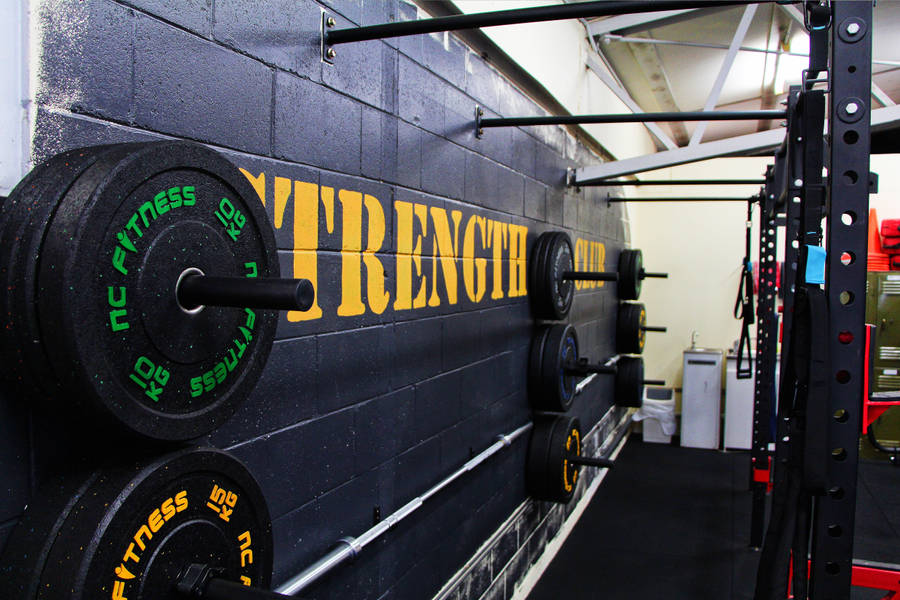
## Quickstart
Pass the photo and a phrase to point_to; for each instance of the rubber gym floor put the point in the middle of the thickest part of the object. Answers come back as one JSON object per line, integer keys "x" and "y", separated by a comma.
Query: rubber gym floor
{"x": 672, "y": 522}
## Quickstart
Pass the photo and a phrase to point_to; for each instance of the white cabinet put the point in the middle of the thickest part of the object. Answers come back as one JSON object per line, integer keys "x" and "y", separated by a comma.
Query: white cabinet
{"x": 701, "y": 397}
{"x": 739, "y": 406}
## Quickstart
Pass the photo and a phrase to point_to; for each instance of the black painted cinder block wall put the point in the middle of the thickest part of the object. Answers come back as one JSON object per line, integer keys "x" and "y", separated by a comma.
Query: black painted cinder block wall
{"x": 357, "y": 413}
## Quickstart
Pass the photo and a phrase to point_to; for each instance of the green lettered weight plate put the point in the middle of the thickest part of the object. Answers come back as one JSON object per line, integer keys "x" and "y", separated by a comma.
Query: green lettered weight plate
{"x": 116, "y": 336}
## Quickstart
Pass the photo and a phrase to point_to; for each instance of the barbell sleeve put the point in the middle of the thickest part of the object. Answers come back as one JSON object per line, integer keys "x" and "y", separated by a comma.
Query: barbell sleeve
{"x": 645, "y": 275}
{"x": 195, "y": 290}
{"x": 589, "y": 276}
{"x": 587, "y": 461}
{"x": 653, "y": 328}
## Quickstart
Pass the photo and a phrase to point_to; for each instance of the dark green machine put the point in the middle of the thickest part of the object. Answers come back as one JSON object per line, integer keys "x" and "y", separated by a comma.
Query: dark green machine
{"x": 883, "y": 311}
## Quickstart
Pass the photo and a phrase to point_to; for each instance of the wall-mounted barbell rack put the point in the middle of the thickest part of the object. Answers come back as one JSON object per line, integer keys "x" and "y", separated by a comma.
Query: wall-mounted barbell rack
{"x": 581, "y": 10}
{"x": 840, "y": 43}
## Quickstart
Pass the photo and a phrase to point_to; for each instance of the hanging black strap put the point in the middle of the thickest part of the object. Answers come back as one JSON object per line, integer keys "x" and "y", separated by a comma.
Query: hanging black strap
{"x": 743, "y": 304}
{"x": 816, "y": 403}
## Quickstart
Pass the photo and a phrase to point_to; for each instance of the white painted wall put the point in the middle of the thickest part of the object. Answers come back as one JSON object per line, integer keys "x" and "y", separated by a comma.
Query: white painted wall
{"x": 15, "y": 143}
{"x": 555, "y": 53}
{"x": 701, "y": 246}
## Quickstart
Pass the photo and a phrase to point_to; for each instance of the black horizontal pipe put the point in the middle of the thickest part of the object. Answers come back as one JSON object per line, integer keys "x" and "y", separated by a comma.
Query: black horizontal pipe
{"x": 586, "y": 461}
{"x": 520, "y": 15}
{"x": 245, "y": 292}
{"x": 220, "y": 589}
{"x": 590, "y": 276}
{"x": 646, "y": 275}
{"x": 614, "y": 182}
{"x": 704, "y": 115}
{"x": 584, "y": 368}
{"x": 654, "y": 382}
{"x": 654, "y": 328}
{"x": 677, "y": 199}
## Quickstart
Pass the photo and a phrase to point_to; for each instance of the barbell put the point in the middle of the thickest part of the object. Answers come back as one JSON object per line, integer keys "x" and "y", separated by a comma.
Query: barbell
{"x": 140, "y": 284}
{"x": 194, "y": 524}
{"x": 555, "y": 367}
{"x": 552, "y": 275}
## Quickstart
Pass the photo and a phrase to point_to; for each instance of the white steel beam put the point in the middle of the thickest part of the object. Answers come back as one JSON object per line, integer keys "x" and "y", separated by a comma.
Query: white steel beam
{"x": 795, "y": 13}
{"x": 713, "y": 99}
{"x": 742, "y": 144}
{"x": 735, "y": 146}
{"x": 594, "y": 65}
{"x": 881, "y": 95}
{"x": 628, "y": 21}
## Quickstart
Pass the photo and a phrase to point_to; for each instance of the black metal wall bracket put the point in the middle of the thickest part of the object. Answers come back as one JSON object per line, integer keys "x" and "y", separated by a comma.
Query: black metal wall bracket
{"x": 328, "y": 50}
{"x": 479, "y": 113}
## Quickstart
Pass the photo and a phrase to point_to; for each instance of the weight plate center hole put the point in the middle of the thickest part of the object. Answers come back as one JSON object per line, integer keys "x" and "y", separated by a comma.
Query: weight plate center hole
{"x": 188, "y": 308}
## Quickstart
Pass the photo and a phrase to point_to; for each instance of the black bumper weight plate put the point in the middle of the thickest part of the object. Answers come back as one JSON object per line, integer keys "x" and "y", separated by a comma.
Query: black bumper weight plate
{"x": 112, "y": 255}
{"x": 631, "y": 264}
{"x": 557, "y": 389}
{"x": 630, "y": 381}
{"x": 549, "y": 475}
{"x": 630, "y": 322}
{"x": 30, "y": 207}
{"x": 551, "y": 296}
{"x": 536, "y": 291}
{"x": 27, "y": 548}
{"x": 136, "y": 528}
{"x": 560, "y": 258}
{"x": 535, "y": 365}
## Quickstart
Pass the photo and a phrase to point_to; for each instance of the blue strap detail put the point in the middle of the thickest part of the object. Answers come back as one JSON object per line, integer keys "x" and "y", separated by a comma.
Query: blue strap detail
{"x": 815, "y": 264}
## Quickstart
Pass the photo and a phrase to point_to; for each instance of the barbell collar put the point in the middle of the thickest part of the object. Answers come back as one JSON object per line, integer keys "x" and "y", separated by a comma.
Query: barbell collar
{"x": 195, "y": 290}
{"x": 590, "y": 276}
{"x": 654, "y": 382}
{"x": 645, "y": 275}
{"x": 653, "y": 328}
{"x": 586, "y": 461}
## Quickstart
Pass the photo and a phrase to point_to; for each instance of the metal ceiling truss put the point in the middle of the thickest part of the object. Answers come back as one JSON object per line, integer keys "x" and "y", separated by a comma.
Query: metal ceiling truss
{"x": 713, "y": 99}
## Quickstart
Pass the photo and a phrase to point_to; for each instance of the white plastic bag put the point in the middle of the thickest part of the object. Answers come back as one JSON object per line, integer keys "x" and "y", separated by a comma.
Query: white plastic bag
{"x": 661, "y": 410}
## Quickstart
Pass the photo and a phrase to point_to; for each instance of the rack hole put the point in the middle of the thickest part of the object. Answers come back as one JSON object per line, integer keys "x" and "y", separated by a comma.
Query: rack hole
{"x": 850, "y": 177}
{"x": 845, "y": 337}
{"x": 848, "y": 217}
{"x": 847, "y": 258}
{"x": 841, "y": 415}
{"x": 837, "y": 492}
{"x": 846, "y": 297}
{"x": 842, "y": 376}
{"x": 839, "y": 454}
{"x": 835, "y": 530}
{"x": 851, "y": 137}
